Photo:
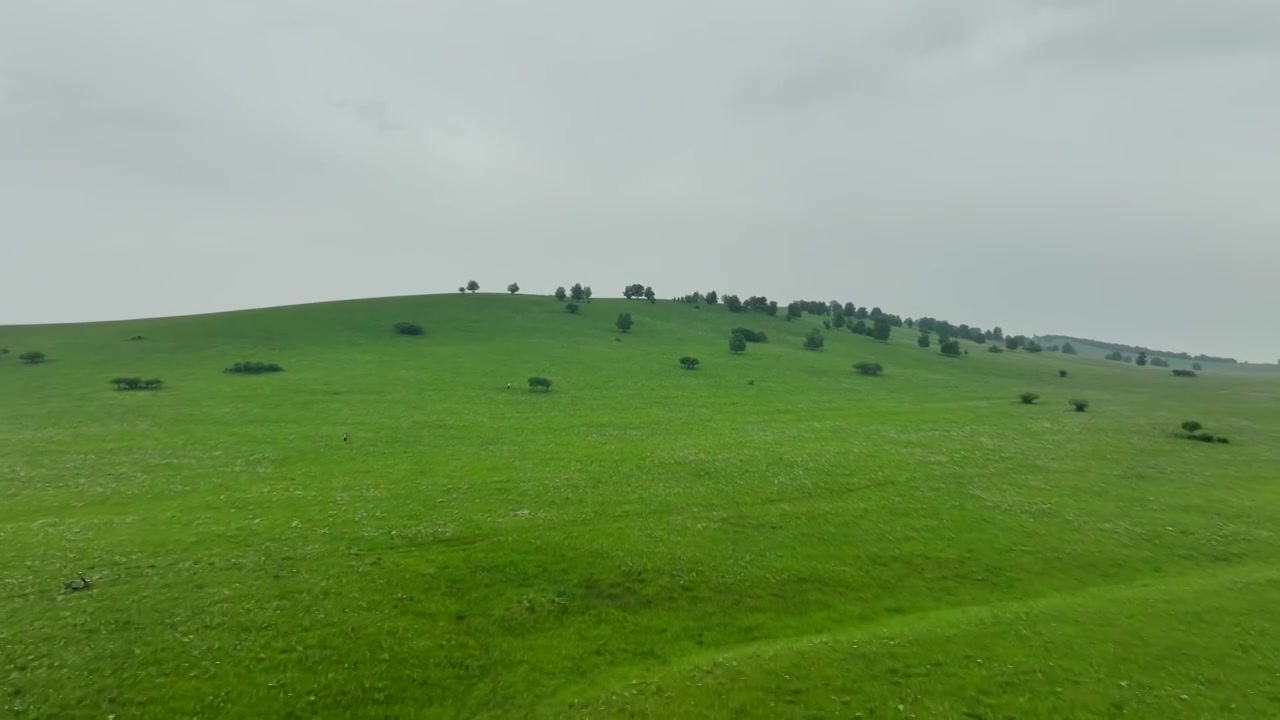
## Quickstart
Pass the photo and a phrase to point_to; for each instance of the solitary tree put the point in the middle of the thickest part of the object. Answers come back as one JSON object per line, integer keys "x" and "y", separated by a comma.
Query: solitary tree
{"x": 1079, "y": 405}
{"x": 624, "y": 321}
{"x": 472, "y": 285}
{"x": 1028, "y": 398}
{"x": 1142, "y": 358}
{"x": 868, "y": 368}
{"x": 32, "y": 357}
{"x": 577, "y": 292}
{"x": 560, "y": 294}
{"x": 1062, "y": 373}
{"x": 513, "y": 288}
{"x": 737, "y": 343}
{"x": 814, "y": 340}
{"x": 586, "y": 293}
{"x": 649, "y": 295}
{"x": 950, "y": 348}
{"x": 462, "y": 291}
{"x": 923, "y": 340}
{"x": 571, "y": 308}
{"x": 712, "y": 298}
{"x": 689, "y": 362}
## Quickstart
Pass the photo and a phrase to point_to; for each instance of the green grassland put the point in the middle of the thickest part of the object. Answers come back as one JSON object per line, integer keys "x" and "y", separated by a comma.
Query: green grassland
{"x": 642, "y": 541}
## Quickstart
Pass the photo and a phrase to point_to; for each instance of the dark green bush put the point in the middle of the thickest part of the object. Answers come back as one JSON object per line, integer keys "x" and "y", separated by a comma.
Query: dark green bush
{"x": 1028, "y": 398}
{"x": 32, "y": 357}
{"x": 995, "y": 349}
{"x": 869, "y": 368}
{"x": 253, "y": 367}
{"x": 814, "y": 340}
{"x": 136, "y": 383}
{"x": 689, "y": 362}
{"x": 951, "y": 348}
{"x": 1179, "y": 372}
{"x": 407, "y": 328}
{"x": 1062, "y": 373}
{"x": 1079, "y": 405}
{"x": 751, "y": 336}
{"x": 737, "y": 343}
{"x": 572, "y": 308}
{"x": 540, "y": 383}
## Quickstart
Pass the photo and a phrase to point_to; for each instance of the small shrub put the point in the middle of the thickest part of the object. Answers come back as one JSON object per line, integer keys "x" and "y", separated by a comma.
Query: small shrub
{"x": 1062, "y": 373}
{"x": 950, "y": 348}
{"x": 136, "y": 383}
{"x": 1191, "y": 426}
{"x": 407, "y": 328}
{"x": 572, "y": 308}
{"x": 737, "y": 343}
{"x": 826, "y": 324}
{"x": 32, "y": 357}
{"x": 814, "y": 340}
{"x": 1221, "y": 439}
{"x": 253, "y": 368}
{"x": 689, "y": 362}
{"x": 4, "y": 351}
{"x": 1179, "y": 372}
{"x": 1079, "y": 405}
{"x": 995, "y": 349}
{"x": 1028, "y": 398}
{"x": 923, "y": 340}
{"x": 624, "y": 321}
{"x": 1196, "y": 366}
{"x": 540, "y": 383}
{"x": 868, "y": 368}
{"x": 1204, "y": 436}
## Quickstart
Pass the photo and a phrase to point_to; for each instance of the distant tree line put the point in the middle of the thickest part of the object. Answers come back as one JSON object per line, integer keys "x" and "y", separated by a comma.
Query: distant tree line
{"x": 1123, "y": 349}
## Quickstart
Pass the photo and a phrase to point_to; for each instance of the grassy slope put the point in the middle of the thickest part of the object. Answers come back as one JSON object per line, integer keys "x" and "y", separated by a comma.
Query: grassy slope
{"x": 643, "y": 541}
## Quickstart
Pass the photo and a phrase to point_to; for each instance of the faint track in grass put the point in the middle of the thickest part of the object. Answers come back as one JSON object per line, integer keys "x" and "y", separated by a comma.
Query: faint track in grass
{"x": 943, "y": 620}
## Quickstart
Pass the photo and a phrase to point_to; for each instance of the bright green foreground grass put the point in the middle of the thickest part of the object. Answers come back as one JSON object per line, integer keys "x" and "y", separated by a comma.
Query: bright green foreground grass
{"x": 643, "y": 541}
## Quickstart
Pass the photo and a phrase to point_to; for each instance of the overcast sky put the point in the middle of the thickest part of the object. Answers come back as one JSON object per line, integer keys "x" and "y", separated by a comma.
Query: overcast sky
{"x": 1107, "y": 168}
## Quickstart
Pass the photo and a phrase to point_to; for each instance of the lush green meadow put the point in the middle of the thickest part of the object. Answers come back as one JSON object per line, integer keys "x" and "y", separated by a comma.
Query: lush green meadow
{"x": 641, "y": 541}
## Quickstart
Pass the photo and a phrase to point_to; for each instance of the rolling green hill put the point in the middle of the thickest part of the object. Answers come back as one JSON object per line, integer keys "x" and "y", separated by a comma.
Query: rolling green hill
{"x": 770, "y": 535}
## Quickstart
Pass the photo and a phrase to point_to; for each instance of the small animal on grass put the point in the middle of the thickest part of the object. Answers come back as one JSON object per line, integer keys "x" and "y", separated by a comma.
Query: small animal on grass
{"x": 74, "y": 585}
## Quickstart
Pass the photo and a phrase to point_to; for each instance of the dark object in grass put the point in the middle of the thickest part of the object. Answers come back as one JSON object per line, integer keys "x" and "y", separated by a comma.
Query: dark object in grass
{"x": 407, "y": 328}
{"x": 136, "y": 337}
{"x": 868, "y": 368}
{"x": 1028, "y": 398}
{"x": 1079, "y": 405}
{"x": 81, "y": 584}
{"x": 1062, "y": 373}
{"x": 751, "y": 383}
{"x": 540, "y": 383}
{"x": 253, "y": 368}
{"x": 1179, "y": 372}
